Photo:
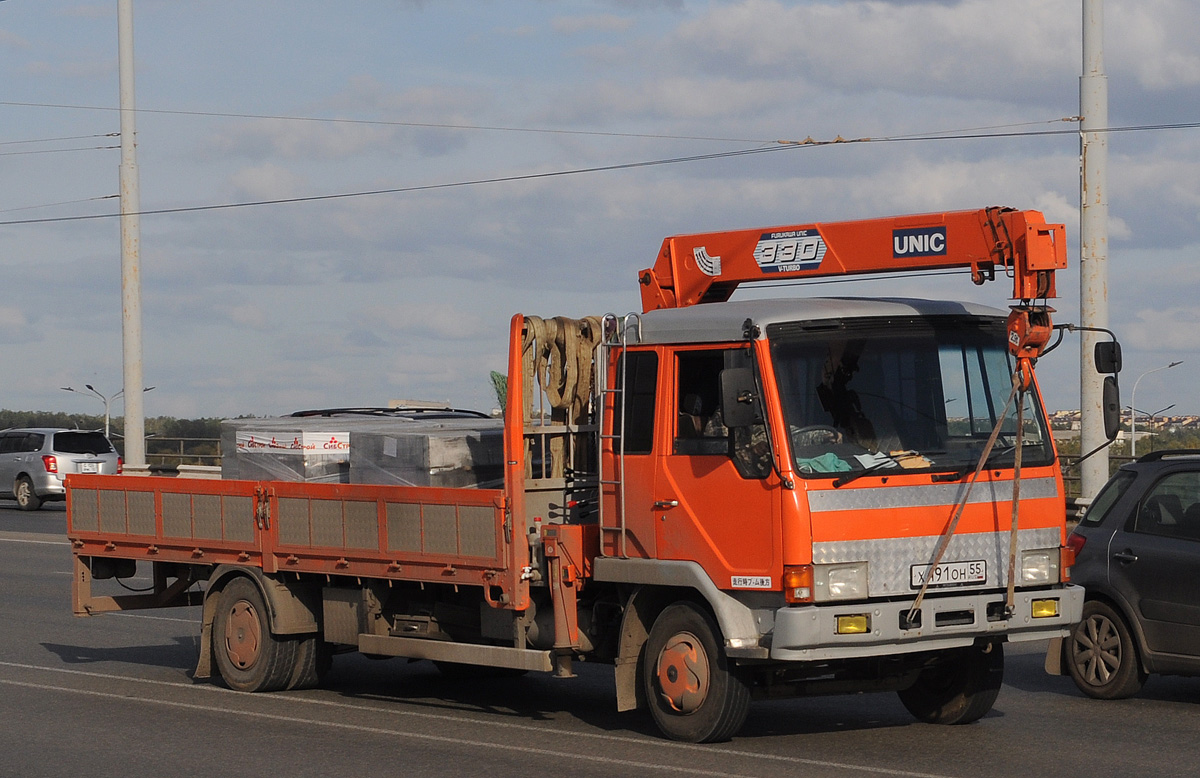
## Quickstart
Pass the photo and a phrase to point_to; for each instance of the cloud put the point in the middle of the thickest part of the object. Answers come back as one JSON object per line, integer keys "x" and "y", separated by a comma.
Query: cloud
{"x": 268, "y": 181}
{"x": 1164, "y": 330}
{"x": 13, "y": 40}
{"x": 99, "y": 69}
{"x": 89, "y": 11}
{"x": 966, "y": 49}
{"x": 573, "y": 25}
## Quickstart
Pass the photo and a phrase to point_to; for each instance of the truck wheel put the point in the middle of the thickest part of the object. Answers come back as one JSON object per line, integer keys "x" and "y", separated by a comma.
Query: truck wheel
{"x": 249, "y": 657}
{"x": 27, "y": 500}
{"x": 1102, "y": 657}
{"x": 314, "y": 658}
{"x": 958, "y": 690}
{"x": 695, "y": 694}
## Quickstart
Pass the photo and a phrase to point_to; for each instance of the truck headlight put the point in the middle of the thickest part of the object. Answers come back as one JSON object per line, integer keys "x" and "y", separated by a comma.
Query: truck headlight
{"x": 841, "y": 582}
{"x": 1039, "y": 566}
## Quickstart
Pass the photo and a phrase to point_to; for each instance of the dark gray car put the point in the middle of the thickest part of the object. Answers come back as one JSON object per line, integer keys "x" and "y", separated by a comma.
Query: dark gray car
{"x": 1138, "y": 556}
{"x": 34, "y": 462}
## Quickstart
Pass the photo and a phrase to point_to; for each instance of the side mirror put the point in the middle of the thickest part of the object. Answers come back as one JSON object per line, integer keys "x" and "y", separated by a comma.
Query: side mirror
{"x": 1108, "y": 357}
{"x": 739, "y": 397}
{"x": 1112, "y": 406}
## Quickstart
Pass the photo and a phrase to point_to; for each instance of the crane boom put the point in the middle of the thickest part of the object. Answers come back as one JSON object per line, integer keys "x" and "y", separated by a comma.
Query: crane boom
{"x": 708, "y": 267}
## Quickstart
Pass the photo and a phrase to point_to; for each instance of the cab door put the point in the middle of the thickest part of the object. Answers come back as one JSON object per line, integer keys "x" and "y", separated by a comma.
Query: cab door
{"x": 631, "y": 450}
{"x": 716, "y": 497}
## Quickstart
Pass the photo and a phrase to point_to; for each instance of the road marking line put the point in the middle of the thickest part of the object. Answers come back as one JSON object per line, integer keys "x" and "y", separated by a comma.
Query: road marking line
{"x": 35, "y": 542}
{"x": 687, "y": 770}
{"x": 294, "y": 698}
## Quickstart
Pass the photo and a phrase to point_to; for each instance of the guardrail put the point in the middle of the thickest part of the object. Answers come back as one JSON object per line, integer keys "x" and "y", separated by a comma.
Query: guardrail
{"x": 165, "y": 452}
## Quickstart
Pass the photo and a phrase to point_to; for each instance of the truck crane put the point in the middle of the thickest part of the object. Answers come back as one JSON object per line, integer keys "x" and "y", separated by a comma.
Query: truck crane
{"x": 723, "y": 499}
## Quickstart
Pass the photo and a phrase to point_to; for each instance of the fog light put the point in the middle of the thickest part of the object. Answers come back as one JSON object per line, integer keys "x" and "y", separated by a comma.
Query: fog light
{"x": 1044, "y": 609}
{"x": 853, "y": 625}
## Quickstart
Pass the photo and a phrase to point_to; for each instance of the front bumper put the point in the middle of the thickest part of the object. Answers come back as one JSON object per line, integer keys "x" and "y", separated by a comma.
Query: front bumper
{"x": 809, "y": 633}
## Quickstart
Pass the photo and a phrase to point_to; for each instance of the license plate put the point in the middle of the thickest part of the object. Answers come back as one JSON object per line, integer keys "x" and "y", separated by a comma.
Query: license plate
{"x": 89, "y": 467}
{"x": 949, "y": 574}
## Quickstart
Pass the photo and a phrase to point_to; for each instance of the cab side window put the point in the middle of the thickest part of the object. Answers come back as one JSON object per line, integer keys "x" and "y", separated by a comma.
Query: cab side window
{"x": 700, "y": 427}
{"x": 1172, "y": 507}
{"x": 637, "y": 373}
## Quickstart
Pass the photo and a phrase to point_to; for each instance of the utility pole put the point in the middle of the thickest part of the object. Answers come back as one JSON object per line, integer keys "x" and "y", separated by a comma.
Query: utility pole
{"x": 131, "y": 237}
{"x": 1093, "y": 244}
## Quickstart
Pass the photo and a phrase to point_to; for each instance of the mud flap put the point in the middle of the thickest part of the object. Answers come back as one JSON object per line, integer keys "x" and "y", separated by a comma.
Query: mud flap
{"x": 1054, "y": 657}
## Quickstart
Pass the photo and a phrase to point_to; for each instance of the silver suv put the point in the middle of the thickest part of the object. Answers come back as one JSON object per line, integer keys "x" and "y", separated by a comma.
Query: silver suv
{"x": 33, "y": 462}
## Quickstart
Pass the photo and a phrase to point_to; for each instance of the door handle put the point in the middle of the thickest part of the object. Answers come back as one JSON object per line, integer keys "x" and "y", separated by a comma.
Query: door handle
{"x": 1125, "y": 557}
{"x": 664, "y": 504}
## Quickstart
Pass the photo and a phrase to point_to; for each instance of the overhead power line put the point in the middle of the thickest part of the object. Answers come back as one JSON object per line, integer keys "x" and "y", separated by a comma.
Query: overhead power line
{"x": 64, "y": 202}
{"x": 55, "y": 140}
{"x": 777, "y": 146}
{"x": 392, "y": 123}
{"x": 54, "y": 151}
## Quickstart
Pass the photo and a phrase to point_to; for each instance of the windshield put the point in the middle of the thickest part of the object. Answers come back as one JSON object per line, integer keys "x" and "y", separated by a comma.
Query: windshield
{"x": 921, "y": 394}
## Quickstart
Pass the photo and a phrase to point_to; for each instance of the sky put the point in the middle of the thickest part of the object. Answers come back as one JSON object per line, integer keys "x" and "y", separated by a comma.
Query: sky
{"x": 483, "y": 114}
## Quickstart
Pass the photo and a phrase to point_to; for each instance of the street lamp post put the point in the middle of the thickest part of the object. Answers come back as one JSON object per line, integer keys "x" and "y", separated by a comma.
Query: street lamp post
{"x": 1133, "y": 403}
{"x": 1151, "y": 415}
{"x": 106, "y": 400}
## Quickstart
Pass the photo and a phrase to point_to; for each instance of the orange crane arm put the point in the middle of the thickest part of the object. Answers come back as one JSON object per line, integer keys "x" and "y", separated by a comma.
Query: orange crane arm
{"x": 708, "y": 267}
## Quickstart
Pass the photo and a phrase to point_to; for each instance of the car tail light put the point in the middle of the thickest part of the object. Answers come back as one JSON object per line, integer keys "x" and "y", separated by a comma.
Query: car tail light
{"x": 120, "y": 465}
{"x": 798, "y": 583}
{"x": 50, "y": 463}
{"x": 1068, "y": 553}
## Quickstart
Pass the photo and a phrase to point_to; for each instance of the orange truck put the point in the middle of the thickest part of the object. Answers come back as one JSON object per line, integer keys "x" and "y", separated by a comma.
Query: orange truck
{"x": 724, "y": 500}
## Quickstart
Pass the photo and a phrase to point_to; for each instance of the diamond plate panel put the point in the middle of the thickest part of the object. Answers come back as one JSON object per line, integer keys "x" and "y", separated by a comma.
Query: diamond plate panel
{"x": 441, "y": 529}
{"x": 141, "y": 512}
{"x": 327, "y": 523}
{"x": 112, "y": 512}
{"x": 293, "y": 521}
{"x": 927, "y": 495}
{"x": 477, "y": 530}
{"x": 177, "y": 515}
{"x": 206, "y": 516}
{"x": 889, "y": 560}
{"x": 362, "y": 524}
{"x": 404, "y": 526}
{"x": 84, "y": 516}
{"x": 238, "y": 515}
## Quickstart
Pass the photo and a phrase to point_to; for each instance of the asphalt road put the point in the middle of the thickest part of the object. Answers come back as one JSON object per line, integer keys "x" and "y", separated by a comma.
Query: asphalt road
{"x": 112, "y": 696}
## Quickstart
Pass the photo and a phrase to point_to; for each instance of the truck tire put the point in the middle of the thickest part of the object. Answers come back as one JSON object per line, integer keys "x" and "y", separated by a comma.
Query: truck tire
{"x": 27, "y": 499}
{"x": 1102, "y": 657}
{"x": 695, "y": 693}
{"x": 249, "y": 657}
{"x": 958, "y": 690}
{"x": 314, "y": 658}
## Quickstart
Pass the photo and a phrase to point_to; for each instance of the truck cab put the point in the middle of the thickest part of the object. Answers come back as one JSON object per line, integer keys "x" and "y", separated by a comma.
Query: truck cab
{"x": 804, "y": 459}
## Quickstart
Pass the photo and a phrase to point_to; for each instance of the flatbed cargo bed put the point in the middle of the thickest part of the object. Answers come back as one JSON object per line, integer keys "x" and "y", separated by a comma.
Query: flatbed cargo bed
{"x": 377, "y": 531}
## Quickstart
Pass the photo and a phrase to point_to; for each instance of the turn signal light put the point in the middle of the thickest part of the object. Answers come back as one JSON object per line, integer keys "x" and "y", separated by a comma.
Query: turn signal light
{"x": 798, "y": 583}
{"x": 1066, "y": 558}
{"x": 50, "y": 463}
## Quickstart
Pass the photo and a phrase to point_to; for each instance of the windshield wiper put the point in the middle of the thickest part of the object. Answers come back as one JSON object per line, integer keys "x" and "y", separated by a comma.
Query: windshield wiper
{"x": 892, "y": 461}
{"x": 965, "y": 470}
